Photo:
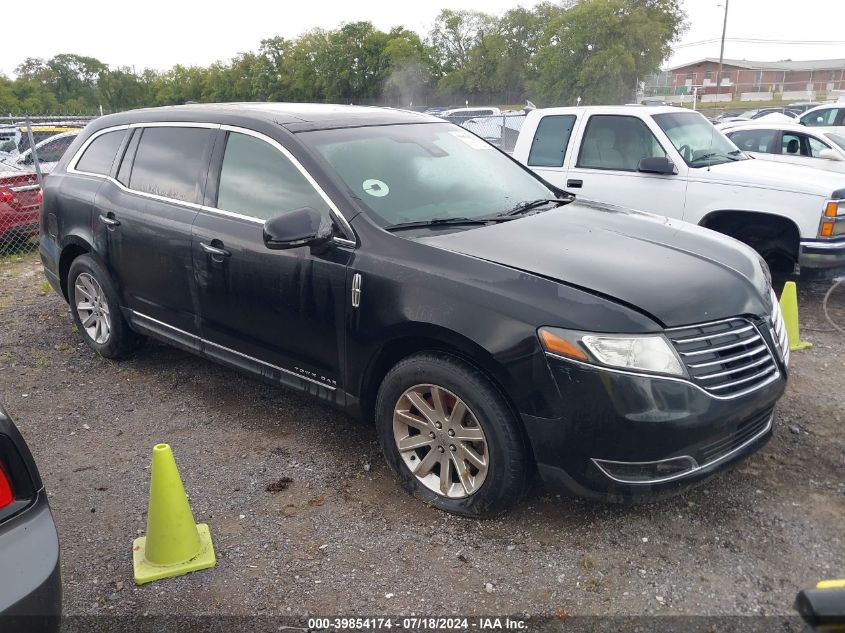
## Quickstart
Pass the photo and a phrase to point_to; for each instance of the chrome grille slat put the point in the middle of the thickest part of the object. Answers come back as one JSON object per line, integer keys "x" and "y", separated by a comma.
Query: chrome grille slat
{"x": 724, "y": 366}
{"x": 682, "y": 341}
{"x": 727, "y": 372}
{"x": 729, "y": 359}
{"x": 721, "y": 348}
{"x": 742, "y": 381}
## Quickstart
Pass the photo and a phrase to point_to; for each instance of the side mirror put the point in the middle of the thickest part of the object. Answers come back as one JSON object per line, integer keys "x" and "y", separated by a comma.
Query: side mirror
{"x": 657, "y": 165}
{"x": 302, "y": 227}
{"x": 829, "y": 154}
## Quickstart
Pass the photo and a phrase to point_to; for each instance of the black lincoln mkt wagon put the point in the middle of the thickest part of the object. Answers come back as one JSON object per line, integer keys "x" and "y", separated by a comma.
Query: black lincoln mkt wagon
{"x": 402, "y": 269}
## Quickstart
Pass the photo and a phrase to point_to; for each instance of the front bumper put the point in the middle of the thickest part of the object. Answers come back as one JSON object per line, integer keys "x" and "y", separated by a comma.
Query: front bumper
{"x": 30, "y": 582}
{"x": 618, "y": 423}
{"x": 824, "y": 257}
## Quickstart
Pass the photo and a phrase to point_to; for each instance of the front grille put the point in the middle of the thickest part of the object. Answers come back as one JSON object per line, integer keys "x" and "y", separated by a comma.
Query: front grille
{"x": 727, "y": 358}
{"x": 744, "y": 432}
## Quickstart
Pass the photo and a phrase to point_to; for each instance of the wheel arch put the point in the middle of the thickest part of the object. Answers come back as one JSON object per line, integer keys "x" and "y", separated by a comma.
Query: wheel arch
{"x": 421, "y": 337}
{"x": 736, "y": 223}
{"x": 72, "y": 247}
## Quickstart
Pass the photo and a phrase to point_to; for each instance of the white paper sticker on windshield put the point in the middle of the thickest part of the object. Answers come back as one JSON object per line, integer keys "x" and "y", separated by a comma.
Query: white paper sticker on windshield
{"x": 376, "y": 188}
{"x": 470, "y": 139}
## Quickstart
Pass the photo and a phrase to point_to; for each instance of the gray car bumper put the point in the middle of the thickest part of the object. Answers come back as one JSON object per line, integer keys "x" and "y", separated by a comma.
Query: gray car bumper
{"x": 30, "y": 582}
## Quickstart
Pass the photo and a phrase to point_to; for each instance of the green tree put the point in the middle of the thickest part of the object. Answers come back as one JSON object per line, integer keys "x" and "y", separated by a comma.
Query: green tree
{"x": 598, "y": 49}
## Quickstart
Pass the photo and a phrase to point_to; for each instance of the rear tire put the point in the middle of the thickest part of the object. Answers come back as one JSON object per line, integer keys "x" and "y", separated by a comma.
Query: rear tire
{"x": 479, "y": 440}
{"x": 95, "y": 308}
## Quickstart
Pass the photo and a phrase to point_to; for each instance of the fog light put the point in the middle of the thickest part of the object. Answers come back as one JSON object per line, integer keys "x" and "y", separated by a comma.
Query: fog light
{"x": 647, "y": 472}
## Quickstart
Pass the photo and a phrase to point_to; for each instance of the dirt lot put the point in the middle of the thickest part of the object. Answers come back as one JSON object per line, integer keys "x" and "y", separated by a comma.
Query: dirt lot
{"x": 344, "y": 539}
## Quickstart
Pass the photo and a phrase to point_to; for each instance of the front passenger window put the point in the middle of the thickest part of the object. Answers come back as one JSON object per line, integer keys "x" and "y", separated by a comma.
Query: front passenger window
{"x": 617, "y": 142}
{"x": 259, "y": 181}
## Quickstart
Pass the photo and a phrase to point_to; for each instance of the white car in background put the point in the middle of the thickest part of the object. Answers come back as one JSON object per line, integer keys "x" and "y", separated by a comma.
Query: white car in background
{"x": 830, "y": 114}
{"x": 49, "y": 151}
{"x": 820, "y": 147}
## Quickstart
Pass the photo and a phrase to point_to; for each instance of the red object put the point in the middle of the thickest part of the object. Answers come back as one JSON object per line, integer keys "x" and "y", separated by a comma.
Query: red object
{"x": 6, "y": 496}
{"x": 19, "y": 205}
{"x": 40, "y": 196}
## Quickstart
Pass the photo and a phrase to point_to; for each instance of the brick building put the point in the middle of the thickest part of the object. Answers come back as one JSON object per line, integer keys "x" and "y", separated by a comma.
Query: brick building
{"x": 794, "y": 79}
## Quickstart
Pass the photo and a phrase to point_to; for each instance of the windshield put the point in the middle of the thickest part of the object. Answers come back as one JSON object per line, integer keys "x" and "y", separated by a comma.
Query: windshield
{"x": 697, "y": 141}
{"x": 838, "y": 139}
{"x": 429, "y": 171}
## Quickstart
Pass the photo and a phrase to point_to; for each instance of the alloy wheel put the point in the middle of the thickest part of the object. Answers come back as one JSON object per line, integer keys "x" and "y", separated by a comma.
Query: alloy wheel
{"x": 92, "y": 308}
{"x": 441, "y": 441}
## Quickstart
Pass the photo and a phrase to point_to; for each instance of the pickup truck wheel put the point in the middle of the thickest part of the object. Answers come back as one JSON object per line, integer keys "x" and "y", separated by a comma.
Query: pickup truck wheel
{"x": 96, "y": 310}
{"x": 449, "y": 434}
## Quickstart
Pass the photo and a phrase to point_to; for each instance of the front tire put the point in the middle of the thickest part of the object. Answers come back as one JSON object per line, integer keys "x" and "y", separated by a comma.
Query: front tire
{"x": 449, "y": 434}
{"x": 96, "y": 311}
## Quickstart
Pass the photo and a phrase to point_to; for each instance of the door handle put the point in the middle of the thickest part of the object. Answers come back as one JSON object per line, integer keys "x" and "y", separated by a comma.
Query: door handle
{"x": 214, "y": 251}
{"x": 109, "y": 220}
{"x": 575, "y": 183}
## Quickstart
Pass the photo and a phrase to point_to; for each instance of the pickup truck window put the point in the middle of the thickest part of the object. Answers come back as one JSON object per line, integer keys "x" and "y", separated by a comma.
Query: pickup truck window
{"x": 548, "y": 149}
{"x": 697, "y": 141}
{"x": 617, "y": 142}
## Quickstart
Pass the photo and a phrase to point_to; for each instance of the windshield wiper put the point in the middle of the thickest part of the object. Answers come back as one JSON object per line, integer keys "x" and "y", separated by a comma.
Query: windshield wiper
{"x": 445, "y": 222}
{"x": 524, "y": 207}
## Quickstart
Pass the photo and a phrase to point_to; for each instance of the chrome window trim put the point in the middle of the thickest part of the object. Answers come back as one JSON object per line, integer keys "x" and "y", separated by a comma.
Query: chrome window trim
{"x": 721, "y": 458}
{"x": 350, "y": 236}
{"x": 335, "y": 212}
{"x": 231, "y": 351}
{"x": 684, "y": 381}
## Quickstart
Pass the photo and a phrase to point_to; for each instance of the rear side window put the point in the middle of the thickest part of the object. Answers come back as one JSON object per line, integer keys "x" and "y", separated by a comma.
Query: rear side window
{"x": 755, "y": 140}
{"x": 259, "y": 181}
{"x": 550, "y": 140}
{"x": 169, "y": 161}
{"x": 99, "y": 156}
{"x": 820, "y": 117}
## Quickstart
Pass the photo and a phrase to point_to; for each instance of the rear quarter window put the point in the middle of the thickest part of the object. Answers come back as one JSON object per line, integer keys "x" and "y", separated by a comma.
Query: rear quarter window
{"x": 99, "y": 155}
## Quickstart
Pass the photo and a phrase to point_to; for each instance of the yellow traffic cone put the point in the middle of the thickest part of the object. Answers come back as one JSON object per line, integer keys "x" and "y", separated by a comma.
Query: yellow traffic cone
{"x": 831, "y": 584}
{"x": 174, "y": 544}
{"x": 789, "y": 308}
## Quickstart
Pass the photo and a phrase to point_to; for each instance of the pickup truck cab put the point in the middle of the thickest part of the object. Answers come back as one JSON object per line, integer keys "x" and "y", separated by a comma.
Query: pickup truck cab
{"x": 673, "y": 162}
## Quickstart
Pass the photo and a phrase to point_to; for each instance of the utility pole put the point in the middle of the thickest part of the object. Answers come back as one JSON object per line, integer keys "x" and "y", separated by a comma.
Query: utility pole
{"x": 722, "y": 51}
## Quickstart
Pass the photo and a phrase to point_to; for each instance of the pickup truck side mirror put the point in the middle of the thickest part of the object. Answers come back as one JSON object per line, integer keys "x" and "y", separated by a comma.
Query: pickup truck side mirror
{"x": 302, "y": 227}
{"x": 657, "y": 165}
{"x": 829, "y": 154}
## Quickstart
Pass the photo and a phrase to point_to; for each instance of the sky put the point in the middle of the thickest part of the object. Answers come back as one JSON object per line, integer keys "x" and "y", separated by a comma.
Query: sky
{"x": 160, "y": 33}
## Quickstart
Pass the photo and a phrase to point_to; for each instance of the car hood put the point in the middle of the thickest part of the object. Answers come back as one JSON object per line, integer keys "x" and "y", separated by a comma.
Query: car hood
{"x": 772, "y": 175}
{"x": 674, "y": 272}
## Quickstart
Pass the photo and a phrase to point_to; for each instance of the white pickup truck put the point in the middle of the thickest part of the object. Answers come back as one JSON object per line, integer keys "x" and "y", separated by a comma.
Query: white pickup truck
{"x": 673, "y": 162}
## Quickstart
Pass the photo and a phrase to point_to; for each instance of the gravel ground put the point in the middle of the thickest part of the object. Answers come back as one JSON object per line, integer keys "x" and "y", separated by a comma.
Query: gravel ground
{"x": 342, "y": 537}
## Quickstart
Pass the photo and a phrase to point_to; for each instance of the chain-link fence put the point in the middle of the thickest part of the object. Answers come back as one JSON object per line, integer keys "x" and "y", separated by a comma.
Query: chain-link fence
{"x": 30, "y": 147}
{"x": 500, "y": 130}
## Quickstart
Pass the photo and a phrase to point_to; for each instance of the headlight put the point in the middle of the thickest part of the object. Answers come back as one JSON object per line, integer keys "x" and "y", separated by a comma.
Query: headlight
{"x": 645, "y": 352}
